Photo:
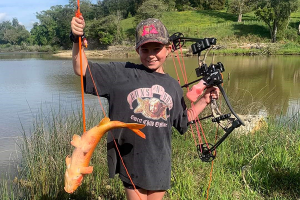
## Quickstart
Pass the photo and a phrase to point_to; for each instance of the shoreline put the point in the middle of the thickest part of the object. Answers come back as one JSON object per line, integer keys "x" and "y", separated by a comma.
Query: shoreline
{"x": 111, "y": 52}
{"x": 234, "y": 49}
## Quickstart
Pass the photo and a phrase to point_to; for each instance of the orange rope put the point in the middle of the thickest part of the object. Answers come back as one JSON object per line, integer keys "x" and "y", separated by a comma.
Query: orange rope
{"x": 96, "y": 91}
{"x": 78, "y": 14}
{"x": 215, "y": 153}
{"x": 212, "y": 166}
{"x": 81, "y": 74}
{"x": 198, "y": 123}
{"x": 116, "y": 145}
{"x": 210, "y": 179}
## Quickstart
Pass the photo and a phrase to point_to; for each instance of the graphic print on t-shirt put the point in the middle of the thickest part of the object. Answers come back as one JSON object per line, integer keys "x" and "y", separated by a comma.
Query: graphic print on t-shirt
{"x": 151, "y": 108}
{"x": 153, "y": 103}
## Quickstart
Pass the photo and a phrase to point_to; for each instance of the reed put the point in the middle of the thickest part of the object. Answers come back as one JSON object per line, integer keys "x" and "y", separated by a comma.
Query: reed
{"x": 263, "y": 165}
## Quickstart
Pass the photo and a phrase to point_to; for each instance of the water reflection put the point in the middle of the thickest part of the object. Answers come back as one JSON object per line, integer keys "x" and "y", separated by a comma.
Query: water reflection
{"x": 256, "y": 83}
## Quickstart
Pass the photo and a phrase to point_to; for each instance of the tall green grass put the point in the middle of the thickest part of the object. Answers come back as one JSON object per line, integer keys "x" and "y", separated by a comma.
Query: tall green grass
{"x": 263, "y": 165}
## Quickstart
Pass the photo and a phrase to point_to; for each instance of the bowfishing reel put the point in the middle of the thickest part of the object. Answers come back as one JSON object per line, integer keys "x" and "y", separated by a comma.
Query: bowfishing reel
{"x": 212, "y": 74}
{"x": 204, "y": 152}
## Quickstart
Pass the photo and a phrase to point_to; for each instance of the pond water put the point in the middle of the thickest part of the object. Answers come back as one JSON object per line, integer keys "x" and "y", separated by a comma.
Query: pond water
{"x": 30, "y": 83}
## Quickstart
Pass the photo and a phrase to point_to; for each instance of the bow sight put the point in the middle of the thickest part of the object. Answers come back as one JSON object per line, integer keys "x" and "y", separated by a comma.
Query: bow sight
{"x": 178, "y": 41}
{"x": 212, "y": 76}
{"x": 203, "y": 44}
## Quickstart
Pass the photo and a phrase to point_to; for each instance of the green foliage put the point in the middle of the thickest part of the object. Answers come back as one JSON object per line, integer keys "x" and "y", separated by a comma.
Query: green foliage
{"x": 150, "y": 9}
{"x": 213, "y": 4}
{"x": 110, "y": 7}
{"x": 54, "y": 26}
{"x": 276, "y": 13}
{"x": 106, "y": 31}
{"x": 240, "y": 6}
{"x": 13, "y": 33}
{"x": 182, "y": 5}
{"x": 39, "y": 34}
{"x": 171, "y": 4}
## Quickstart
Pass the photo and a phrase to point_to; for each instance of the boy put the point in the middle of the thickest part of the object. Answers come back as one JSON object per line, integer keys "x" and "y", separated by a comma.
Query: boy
{"x": 141, "y": 93}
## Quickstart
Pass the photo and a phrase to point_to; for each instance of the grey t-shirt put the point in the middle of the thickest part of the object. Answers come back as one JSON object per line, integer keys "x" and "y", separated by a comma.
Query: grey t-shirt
{"x": 139, "y": 95}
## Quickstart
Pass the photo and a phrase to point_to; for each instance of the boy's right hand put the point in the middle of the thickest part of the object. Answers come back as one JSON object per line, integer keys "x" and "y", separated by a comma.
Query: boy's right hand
{"x": 77, "y": 25}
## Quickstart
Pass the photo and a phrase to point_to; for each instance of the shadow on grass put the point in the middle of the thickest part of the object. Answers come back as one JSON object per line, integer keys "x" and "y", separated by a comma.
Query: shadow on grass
{"x": 294, "y": 25}
{"x": 276, "y": 181}
{"x": 253, "y": 29}
{"x": 218, "y": 14}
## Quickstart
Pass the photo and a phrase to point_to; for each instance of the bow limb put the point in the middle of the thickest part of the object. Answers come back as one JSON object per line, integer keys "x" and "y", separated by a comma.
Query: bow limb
{"x": 225, "y": 121}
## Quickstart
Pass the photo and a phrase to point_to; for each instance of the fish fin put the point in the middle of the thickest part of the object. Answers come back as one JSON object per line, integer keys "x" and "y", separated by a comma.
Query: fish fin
{"x": 76, "y": 141}
{"x": 79, "y": 180}
{"x": 139, "y": 133}
{"x": 104, "y": 121}
{"x": 68, "y": 161}
{"x": 135, "y": 128}
{"x": 86, "y": 170}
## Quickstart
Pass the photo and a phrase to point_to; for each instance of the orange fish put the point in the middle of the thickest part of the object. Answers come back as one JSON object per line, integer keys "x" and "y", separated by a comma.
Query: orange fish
{"x": 78, "y": 164}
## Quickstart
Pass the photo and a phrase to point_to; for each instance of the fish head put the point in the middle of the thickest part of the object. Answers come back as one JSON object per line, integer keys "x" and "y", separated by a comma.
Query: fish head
{"x": 72, "y": 181}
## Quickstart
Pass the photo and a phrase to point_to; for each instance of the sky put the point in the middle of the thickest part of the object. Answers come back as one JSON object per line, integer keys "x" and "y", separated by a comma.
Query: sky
{"x": 25, "y": 10}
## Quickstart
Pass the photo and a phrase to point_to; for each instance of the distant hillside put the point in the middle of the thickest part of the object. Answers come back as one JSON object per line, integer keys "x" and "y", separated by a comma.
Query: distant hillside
{"x": 218, "y": 24}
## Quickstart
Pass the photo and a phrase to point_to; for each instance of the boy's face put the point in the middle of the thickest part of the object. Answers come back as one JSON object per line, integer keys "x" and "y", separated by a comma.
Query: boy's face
{"x": 153, "y": 55}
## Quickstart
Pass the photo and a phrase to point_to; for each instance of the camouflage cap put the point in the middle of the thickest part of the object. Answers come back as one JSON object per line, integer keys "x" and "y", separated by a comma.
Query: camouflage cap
{"x": 151, "y": 30}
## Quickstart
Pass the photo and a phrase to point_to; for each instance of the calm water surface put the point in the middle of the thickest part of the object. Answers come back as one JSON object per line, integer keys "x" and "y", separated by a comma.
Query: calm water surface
{"x": 31, "y": 82}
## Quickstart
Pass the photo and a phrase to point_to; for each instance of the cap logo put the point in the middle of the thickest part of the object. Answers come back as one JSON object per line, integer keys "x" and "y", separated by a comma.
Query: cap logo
{"x": 149, "y": 30}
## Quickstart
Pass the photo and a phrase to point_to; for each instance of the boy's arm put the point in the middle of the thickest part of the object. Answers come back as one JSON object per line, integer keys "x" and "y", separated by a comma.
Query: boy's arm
{"x": 77, "y": 26}
{"x": 193, "y": 112}
{"x": 76, "y": 60}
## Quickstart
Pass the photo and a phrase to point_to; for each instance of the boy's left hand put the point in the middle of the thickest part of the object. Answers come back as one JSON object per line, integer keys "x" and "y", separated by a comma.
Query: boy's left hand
{"x": 211, "y": 93}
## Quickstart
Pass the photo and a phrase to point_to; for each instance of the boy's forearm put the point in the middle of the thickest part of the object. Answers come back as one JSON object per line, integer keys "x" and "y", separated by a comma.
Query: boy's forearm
{"x": 76, "y": 60}
{"x": 195, "y": 110}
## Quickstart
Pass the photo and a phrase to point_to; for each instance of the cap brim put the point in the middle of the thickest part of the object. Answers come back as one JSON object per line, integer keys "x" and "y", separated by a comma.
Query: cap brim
{"x": 148, "y": 40}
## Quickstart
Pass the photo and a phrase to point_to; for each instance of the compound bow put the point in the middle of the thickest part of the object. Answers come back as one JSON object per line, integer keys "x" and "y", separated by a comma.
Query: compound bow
{"x": 212, "y": 76}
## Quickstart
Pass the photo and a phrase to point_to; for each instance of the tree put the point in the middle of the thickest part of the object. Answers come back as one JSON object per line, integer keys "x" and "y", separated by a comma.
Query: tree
{"x": 276, "y": 14}
{"x": 105, "y": 31}
{"x": 211, "y": 4}
{"x": 181, "y": 5}
{"x": 171, "y": 4}
{"x": 240, "y": 7}
{"x": 3, "y": 27}
{"x": 39, "y": 34}
{"x": 13, "y": 32}
{"x": 150, "y": 9}
{"x": 54, "y": 26}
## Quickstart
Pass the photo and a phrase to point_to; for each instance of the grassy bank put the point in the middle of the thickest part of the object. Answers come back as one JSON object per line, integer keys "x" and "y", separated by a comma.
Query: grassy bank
{"x": 250, "y": 37}
{"x": 263, "y": 165}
